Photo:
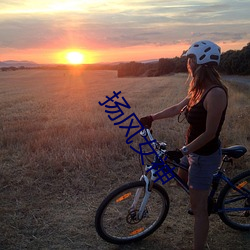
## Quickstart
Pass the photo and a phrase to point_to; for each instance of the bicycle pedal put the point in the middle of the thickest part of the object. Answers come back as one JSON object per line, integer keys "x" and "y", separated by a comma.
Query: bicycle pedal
{"x": 190, "y": 211}
{"x": 246, "y": 214}
{"x": 247, "y": 204}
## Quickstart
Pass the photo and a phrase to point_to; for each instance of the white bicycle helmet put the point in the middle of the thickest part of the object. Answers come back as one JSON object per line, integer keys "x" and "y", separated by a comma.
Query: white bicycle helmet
{"x": 205, "y": 52}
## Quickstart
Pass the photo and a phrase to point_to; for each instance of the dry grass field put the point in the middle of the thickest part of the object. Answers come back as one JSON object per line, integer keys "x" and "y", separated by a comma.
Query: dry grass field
{"x": 60, "y": 156}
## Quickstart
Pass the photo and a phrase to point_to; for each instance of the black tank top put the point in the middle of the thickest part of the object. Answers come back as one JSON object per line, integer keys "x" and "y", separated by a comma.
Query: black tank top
{"x": 196, "y": 117}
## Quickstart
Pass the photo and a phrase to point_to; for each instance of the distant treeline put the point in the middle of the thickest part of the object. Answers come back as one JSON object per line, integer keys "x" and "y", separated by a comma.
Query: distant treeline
{"x": 64, "y": 67}
{"x": 235, "y": 62}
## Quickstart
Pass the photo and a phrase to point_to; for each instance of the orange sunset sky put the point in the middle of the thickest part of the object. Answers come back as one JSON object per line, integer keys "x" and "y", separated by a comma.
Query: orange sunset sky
{"x": 116, "y": 30}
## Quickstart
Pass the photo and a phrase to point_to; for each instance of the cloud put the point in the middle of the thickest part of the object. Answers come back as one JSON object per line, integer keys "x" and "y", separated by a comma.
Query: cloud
{"x": 25, "y": 32}
{"x": 210, "y": 8}
{"x": 120, "y": 23}
{"x": 221, "y": 36}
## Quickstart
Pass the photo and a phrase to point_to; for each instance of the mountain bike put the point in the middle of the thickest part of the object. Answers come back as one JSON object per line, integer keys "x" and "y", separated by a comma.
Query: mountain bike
{"x": 136, "y": 209}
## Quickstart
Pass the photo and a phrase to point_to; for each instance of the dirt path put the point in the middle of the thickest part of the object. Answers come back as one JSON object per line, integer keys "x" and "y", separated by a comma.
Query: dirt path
{"x": 237, "y": 79}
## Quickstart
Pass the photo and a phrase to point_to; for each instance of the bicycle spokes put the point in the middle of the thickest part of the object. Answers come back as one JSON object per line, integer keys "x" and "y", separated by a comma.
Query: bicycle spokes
{"x": 235, "y": 209}
{"x": 128, "y": 215}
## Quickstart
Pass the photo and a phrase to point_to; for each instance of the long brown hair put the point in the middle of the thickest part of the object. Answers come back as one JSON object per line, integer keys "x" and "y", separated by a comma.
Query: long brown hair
{"x": 202, "y": 74}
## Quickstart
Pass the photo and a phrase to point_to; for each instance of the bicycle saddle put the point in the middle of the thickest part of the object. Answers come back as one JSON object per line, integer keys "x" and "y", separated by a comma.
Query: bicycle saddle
{"x": 234, "y": 151}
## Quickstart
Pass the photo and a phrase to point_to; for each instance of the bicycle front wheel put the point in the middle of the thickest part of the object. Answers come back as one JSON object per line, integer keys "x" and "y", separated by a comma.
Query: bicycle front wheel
{"x": 234, "y": 205}
{"x": 117, "y": 223}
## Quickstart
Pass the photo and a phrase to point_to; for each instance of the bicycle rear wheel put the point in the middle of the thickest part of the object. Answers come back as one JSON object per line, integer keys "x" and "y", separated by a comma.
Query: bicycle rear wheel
{"x": 117, "y": 223}
{"x": 234, "y": 206}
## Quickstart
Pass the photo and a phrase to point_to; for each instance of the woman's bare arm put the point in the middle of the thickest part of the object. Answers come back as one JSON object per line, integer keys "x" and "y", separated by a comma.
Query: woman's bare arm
{"x": 171, "y": 111}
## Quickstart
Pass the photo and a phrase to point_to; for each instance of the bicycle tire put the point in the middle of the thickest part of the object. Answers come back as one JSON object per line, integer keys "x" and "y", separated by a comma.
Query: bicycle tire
{"x": 232, "y": 199}
{"x": 112, "y": 223}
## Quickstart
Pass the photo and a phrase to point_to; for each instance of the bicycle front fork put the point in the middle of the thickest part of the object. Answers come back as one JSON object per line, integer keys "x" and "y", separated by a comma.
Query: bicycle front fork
{"x": 147, "y": 193}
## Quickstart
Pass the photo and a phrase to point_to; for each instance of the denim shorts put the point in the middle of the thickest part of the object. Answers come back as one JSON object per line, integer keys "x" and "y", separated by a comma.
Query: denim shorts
{"x": 201, "y": 169}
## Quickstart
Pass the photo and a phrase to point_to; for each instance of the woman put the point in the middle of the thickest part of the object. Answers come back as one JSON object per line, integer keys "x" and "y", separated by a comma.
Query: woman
{"x": 206, "y": 105}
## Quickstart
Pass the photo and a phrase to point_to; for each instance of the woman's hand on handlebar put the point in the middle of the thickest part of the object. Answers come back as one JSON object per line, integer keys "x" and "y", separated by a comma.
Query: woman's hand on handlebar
{"x": 147, "y": 121}
{"x": 175, "y": 155}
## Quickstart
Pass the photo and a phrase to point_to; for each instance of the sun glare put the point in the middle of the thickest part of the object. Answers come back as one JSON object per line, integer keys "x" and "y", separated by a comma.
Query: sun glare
{"x": 75, "y": 57}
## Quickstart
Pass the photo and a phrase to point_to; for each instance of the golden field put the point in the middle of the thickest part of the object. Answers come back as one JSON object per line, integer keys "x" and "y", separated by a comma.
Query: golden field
{"x": 60, "y": 155}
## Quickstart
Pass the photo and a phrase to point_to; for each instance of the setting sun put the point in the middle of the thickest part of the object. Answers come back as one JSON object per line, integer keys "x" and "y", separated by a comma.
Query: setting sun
{"x": 75, "y": 57}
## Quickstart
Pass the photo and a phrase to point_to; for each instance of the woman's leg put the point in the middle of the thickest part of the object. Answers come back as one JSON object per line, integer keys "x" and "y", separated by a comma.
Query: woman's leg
{"x": 201, "y": 172}
{"x": 198, "y": 199}
{"x": 183, "y": 174}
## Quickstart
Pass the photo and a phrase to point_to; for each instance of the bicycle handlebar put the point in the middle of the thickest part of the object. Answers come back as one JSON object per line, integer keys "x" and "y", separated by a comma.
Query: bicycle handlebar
{"x": 146, "y": 132}
{"x": 156, "y": 144}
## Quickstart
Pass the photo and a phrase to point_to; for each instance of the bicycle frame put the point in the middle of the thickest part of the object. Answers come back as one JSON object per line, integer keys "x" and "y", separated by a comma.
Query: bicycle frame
{"x": 137, "y": 209}
{"x": 217, "y": 177}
